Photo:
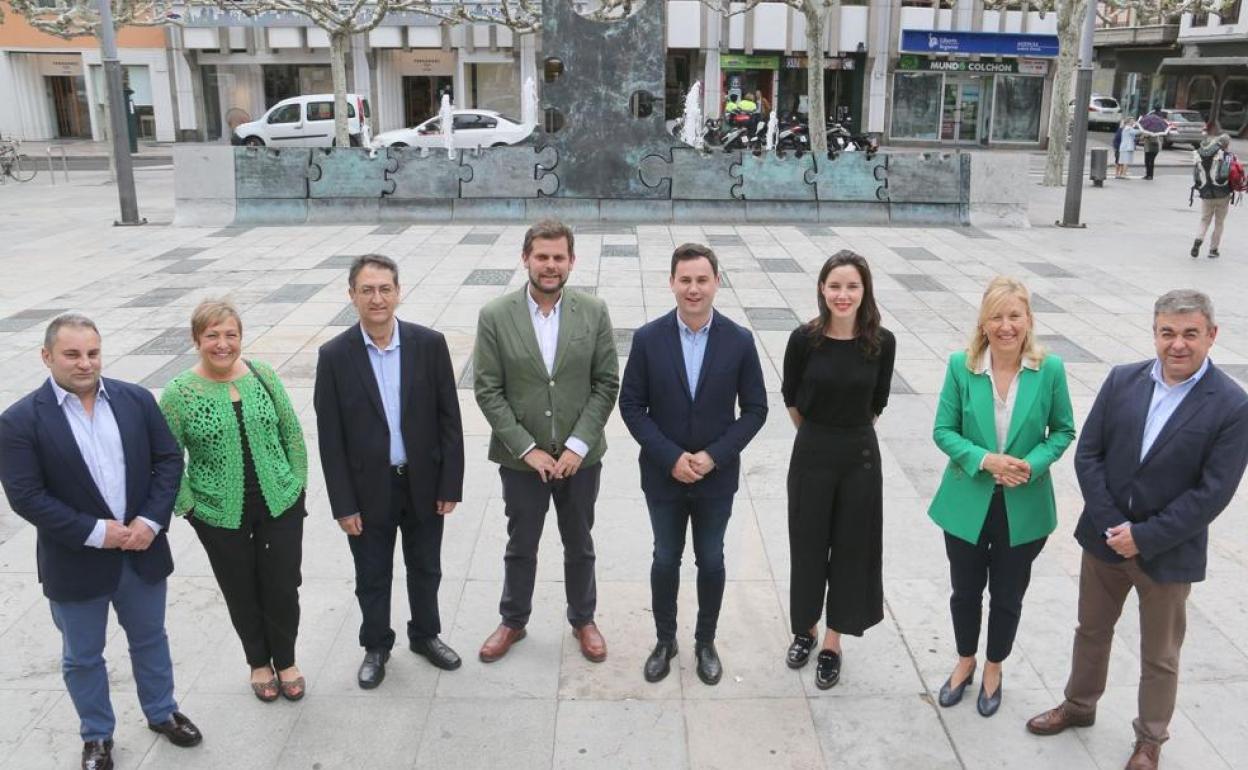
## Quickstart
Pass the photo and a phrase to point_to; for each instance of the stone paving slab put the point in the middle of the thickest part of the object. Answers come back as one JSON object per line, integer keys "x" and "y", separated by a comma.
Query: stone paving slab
{"x": 544, "y": 706}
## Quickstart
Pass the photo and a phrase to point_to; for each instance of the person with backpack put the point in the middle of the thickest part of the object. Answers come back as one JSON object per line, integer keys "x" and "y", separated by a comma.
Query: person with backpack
{"x": 1212, "y": 183}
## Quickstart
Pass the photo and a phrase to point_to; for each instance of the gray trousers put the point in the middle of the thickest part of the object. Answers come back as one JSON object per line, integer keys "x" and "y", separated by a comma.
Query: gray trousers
{"x": 527, "y": 499}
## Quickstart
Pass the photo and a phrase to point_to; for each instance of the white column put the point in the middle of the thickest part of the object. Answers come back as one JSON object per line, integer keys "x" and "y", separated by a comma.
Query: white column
{"x": 360, "y": 82}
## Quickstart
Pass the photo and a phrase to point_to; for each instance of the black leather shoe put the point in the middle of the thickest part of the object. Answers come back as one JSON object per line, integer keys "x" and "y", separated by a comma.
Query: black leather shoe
{"x": 988, "y": 706}
{"x": 799, "y": 650}
{"x": 373, "y": 669}
{"x": 180, "y": 730}
{"x": 658, "y": 665}
{"x": 709, "y": 667}
{"x": 437, "y": 653}
{"x": 97, "y": 755}
{"x": 827, "y": 669}
{"x": 952, "y": 696}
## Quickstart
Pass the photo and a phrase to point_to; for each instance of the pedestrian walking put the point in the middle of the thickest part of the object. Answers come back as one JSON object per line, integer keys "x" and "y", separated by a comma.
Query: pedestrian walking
{"x": 1212, "y": 182}
{"x": 243, "y": 491}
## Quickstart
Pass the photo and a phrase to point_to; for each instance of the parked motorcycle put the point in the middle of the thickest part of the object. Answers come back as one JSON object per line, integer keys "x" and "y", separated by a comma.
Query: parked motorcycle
{"x": 842, "y": 139}
{"x": 793, "y": 135}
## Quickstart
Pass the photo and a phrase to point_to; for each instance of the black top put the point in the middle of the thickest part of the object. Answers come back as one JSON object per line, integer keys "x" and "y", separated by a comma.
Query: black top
{"x": 834, "y": 383}
{"x": 251, "y": 482}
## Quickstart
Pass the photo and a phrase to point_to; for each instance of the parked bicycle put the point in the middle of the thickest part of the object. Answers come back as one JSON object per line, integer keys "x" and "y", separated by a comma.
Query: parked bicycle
{"x": 13, "y": 163}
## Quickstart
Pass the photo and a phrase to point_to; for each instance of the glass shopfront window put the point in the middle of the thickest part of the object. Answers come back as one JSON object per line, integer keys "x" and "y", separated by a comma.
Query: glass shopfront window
{"x": 1200, "y": 94}
{"x": 1016, "y": 108}
{"x": 916, "y": 105}
{"x": 1232, "y": 114}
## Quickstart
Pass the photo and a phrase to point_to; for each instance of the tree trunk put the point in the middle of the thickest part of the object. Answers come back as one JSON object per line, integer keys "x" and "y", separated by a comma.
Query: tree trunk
{"x": 814, "y": 11}
{"x": 1069, "y": 24}
{"x": 339, "y": 45}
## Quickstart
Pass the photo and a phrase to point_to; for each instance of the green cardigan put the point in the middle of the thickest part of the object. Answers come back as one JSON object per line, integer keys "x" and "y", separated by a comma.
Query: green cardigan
{"x": 201, "y": 417}
{"x": 1041, "y": 428}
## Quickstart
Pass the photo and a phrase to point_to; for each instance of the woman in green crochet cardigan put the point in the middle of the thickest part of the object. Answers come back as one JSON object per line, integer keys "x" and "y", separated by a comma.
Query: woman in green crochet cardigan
{"x": 243, "y": 491}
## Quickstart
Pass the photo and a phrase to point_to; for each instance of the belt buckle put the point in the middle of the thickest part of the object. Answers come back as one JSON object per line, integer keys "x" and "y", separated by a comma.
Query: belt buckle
{"x": 400, "y": 469}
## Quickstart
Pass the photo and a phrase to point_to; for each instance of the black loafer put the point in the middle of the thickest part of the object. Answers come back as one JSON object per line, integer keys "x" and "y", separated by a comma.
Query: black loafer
{"x": 988, "y": 706}
{"x": 658, "y": 665}
{"x": 827, "y": 669}
{"x": 799, "y": 651}
{"x": 373, "y": 669}
{"x": 952, "y": 696}
{"x": 180, "y": 730}
{"x": 709, "y": 668}
{"x": 437, "y": 653}
{"x": 97, "y": 755}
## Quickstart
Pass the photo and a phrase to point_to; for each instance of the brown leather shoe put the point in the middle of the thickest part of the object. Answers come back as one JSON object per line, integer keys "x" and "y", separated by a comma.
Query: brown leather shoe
{"x": 1146, "y": 756}
{"x": 1058, "y": 719}
{"x": 500, "y": 642}
{"x": 593, "y": 646}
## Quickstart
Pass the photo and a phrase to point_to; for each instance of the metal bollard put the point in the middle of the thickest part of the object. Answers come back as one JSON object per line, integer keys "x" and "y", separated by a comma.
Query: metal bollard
{"x": 1098, "y": 166}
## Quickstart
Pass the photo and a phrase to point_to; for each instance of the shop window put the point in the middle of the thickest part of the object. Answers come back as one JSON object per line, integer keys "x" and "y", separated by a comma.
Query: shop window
{"x": 1016, "y": 108}
{"x": 916, "y": 105}
{"x": 1230, "y": 14}
{"x": 1231, "y": 109}
{"x": 1200, "y": 94}
{"x": 552, "y": 68}
{"x": 641, "y": 104}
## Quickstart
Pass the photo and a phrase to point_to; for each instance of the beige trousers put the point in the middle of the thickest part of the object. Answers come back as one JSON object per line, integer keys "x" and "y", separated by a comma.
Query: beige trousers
{"x": 1213, "y": 209}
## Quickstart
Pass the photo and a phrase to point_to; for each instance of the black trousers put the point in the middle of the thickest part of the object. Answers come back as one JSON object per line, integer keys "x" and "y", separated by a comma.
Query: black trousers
{"x": 1150, "y": 157}
{"x": 1004, "y": 569}
{"x": 836, "y": 525}
{"x": 258, "y": 568}
{"x": 373, "y": 552}
{"x": 527, "y": 499}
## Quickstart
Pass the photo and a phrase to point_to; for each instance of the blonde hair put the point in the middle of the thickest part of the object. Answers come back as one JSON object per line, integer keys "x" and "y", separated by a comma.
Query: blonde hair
{"x": 1001, "y": 289}
{"x": 211, "y": 312}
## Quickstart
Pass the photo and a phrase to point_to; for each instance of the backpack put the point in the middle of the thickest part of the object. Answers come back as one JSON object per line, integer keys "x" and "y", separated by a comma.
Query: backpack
{"x": 1225, "y": 170}
{"x": 1236, "y": 176}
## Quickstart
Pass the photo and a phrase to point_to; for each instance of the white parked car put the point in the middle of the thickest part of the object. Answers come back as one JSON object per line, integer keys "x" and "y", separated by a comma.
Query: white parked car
{"x": 302, "y": 121}
{"x": 1104, "y": 112}
{"x": 469, "y": 129}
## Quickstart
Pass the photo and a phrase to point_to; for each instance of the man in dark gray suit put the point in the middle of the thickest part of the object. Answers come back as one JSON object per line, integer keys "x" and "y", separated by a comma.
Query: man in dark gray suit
{"x": 1161, "y": 455}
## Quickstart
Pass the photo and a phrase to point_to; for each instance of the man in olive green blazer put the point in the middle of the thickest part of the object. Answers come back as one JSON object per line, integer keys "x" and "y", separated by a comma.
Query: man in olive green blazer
{"x": 546, "y": 378}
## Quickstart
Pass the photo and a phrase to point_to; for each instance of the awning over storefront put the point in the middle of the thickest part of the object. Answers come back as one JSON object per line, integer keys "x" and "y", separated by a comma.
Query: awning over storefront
{"x": 1204, "y": 62}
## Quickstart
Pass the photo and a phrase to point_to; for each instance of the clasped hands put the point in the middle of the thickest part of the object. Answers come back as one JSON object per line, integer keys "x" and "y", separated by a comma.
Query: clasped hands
{"x": 1006, "y": 470}
{"x": 692, "y": 466}
{"x": 550, "y": 469}
{"x": 136, "y": 536}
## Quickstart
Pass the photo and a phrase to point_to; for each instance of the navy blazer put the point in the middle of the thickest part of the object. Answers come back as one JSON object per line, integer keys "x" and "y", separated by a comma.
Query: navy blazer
{"x": 1189, "y": 475}
{"x": 48, "y": 484}
{"x": 355, "y": 437}
{"x": 666, "y": 421}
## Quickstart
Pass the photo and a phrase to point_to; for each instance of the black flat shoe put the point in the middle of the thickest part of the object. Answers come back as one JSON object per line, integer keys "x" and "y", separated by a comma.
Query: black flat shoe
{"x": 373, "y": 669}
{"x": 97, "y": 755}
{"x": 709, "y": 667}
{"x": 827, "y": 669}
{"x": 988, "y": 706}
{"x": 437, "y": 653}
{"x": 952, "y": 696}
{"x": 180, "y": 730}
{"x": 799, "y": 651}
{"x": 658, "y": 665}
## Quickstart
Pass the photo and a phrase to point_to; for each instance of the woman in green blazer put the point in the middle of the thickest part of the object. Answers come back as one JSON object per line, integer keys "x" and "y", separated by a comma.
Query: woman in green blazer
{"x": 1004, "y": 417}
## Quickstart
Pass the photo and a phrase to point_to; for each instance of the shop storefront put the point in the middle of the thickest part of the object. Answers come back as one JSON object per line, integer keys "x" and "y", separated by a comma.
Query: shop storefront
{"x": 1214, "y": 80}
{"x": 745, "y": 74}
{"x": 842, "y": 86}
{"x": 962, "y": 100}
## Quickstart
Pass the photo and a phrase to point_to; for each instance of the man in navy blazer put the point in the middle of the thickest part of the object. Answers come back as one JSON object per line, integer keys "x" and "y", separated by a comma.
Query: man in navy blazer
{"x": 685, "y": 376}
{"x": 1161, "y": 455}
{"x": 91, "y": 463}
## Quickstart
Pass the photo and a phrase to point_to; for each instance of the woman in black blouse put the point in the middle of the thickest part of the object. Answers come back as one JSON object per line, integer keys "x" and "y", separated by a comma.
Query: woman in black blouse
{"x": 837, "y": 371}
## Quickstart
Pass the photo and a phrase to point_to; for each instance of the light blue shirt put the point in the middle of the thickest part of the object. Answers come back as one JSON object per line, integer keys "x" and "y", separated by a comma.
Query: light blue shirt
{"x": 99, "y": 441}
{"x": 1166, "y": 399}
{"x": 387, "y": 371}
{"x": 693, "y": 346}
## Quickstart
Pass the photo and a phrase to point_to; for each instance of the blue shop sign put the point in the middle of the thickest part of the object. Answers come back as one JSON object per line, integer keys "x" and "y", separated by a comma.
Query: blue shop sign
{"x": 983, "y": 43}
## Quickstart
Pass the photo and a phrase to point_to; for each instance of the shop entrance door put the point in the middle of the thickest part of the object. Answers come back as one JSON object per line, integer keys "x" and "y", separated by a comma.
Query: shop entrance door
{"x": 422, "y": 97}
{"x": 962, "y": 113}
{"x": 69, "y": 102}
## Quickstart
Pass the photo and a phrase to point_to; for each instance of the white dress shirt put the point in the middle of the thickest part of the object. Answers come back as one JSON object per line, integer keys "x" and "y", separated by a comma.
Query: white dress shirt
{"x": 546, "y": 328}
{"x": 1003, "y": 407}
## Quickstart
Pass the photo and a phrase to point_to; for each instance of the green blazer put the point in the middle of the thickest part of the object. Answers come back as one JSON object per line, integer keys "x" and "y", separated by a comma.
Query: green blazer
{"x": 525, "y": 405}
{"x": 1042, "y": 425}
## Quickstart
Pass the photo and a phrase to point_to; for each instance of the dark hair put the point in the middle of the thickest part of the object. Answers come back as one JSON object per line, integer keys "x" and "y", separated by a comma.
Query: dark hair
{"x": 548, "y": 230}
{"x": 72, "y": 320}
{"x": 867, "y": 323}
{"x": 374, "y": 260}
{"x": 687, "y": 252}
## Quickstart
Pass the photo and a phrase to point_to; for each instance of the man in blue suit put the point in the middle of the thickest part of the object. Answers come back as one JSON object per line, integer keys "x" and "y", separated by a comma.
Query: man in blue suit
{"x": 1161, "y": 455}
{"x": 91, "y": 463}
{"x": 685, "y": 376}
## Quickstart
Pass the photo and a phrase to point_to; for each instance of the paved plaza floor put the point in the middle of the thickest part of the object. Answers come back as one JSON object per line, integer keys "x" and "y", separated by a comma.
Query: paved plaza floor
{"x": 544, "y": 705}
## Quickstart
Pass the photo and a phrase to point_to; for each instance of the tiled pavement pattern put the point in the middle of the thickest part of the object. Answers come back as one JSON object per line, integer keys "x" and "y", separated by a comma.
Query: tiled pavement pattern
{"x": 544, "y": 706}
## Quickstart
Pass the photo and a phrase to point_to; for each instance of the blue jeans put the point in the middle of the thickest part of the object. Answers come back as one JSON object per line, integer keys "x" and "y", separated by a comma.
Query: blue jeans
{"x": 669, "y": 519}
{"x": 140, "y": 609}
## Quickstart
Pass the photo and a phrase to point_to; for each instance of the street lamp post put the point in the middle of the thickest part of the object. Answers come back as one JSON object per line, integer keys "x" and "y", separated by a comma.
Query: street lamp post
{"x": 1079, "y": 131}
{"x": 117, "y": 119}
